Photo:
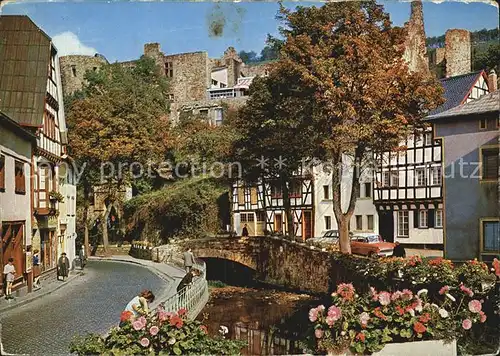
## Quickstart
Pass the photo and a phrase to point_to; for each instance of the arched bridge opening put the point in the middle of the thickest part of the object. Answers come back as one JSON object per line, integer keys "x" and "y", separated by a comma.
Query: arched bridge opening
{"x": 229, "y": 272}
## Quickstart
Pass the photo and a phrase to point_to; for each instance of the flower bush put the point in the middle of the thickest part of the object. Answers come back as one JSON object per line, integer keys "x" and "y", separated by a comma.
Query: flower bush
{"x": 159, "y": 333}
{"x": 365, "y": 323}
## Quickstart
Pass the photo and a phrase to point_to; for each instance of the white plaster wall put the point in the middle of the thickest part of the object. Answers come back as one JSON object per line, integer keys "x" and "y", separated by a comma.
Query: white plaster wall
{"x": 220, "y": 76}
{"x": 364, "y": 205}
{"x": 417, "y": 235}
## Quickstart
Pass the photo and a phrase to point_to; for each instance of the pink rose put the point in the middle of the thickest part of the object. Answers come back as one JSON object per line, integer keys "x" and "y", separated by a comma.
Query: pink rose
{"x": 334, "y": 312}
{"x": 482, "y": 317}
{"x": 320, "y": 308}
{"x": 364, "y": 318}
{"x": 407, "y": 294}
{"x": 143, "y": 321}
{"x": 137, "y": 325}
{"x": 373, "y": 294}
{"x": 466, "y": 324}
{"x": 330, "y": 320}
{"x": 466, "y": 290}
{"x": 444, "y": 290}
{"x": 318, "y": 333}
{"x": 475, "y": 306}
{"x": 384, "y": 298}
{"x": 154, "y": 330}
{"x": 145, "y": 342}
{"x": 162, "y": 315}
{"x": 313, "y": 314}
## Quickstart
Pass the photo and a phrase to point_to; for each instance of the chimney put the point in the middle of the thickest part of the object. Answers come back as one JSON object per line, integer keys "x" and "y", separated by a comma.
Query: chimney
{"x": 492, "y": 81}
{"x": 415, "y": 48}
{"x": 458, "y": 52}
{"x": 151, "y": 49}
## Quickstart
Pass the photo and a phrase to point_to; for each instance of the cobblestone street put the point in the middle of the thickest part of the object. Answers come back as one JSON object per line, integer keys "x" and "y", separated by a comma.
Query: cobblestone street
{"x": 92, "y": 303}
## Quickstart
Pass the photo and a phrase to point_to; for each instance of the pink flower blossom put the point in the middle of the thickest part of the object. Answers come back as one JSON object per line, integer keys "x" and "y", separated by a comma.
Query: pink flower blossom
{"x": 482, "y": 317}
{"x": 137, "y": 325}
{"x": 418, "y": 305}
{"x": 346, "y": 291}
{"x": 373, "y": 294}
{"x": 475, "y": 306}
{"x": 313, "y": 314}
{"x": 162, "y": 315}
{"x": 318, "y": 333}
{"x": 466, "y": 324}
{"x": 335, "y": 312}
{"x": 407, "y": 294}
{"x": 364, "y": 318}
{"x": 143, "y": 321}
{"x": 145, "y": 342}
{"x": 384, "y": 298}
{"x": 154, "y": 330}
{"x": 466, "y": 290}
{"x": 444, "y": 290}
{"x": 396, "y": 295}
{"x": 321, "y": 308}
{"x": 330, "y": 320}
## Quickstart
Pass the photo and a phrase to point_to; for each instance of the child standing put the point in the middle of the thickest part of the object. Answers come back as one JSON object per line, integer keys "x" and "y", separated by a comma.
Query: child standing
{"x": 9, "y": 273}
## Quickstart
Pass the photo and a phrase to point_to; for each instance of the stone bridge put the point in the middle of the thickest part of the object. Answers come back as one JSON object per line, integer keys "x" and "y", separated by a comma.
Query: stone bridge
{"x": 277, "y": 261}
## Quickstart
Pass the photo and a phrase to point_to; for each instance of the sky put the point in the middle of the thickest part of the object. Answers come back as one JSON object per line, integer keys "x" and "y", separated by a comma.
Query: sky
{"x": 119, "y": 29}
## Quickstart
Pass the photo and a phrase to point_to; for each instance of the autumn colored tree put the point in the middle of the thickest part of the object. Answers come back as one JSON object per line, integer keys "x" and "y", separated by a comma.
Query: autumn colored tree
{"x": 117, "y": 125}
{"x": 343, "y": 64}
{"x": 274, "y": 137}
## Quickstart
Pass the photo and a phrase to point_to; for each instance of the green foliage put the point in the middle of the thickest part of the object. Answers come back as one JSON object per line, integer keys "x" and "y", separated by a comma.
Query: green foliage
{"x": 488, "y": 58}
{"x": 158, "y": 333}
{"x": 56, "y": 196}
{"x": 483, "y": 35}
{"x": 270, "y": 51}
{"x": 216, "y": 284}
{"x": 187, "y": 207}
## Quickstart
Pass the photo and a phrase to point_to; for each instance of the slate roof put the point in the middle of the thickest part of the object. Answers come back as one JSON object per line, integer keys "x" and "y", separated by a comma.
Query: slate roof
{"x": 24, "y": 64}
{"x": 456, "y": 89}
{"x": 485, "y": 104}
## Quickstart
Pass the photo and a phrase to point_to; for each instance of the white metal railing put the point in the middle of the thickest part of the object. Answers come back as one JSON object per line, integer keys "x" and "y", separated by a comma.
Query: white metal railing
{"x": 193, "y": 297}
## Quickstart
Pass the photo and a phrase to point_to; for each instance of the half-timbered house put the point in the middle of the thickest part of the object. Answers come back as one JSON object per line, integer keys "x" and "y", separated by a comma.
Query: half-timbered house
{"x": 31, "y": 94}
{"x": 260, "y": 206}
{"x": 408, "y": 189}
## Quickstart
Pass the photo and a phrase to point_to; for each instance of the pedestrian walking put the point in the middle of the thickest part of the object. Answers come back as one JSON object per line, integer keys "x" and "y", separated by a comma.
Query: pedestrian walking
{"x": 399, "y": 250}
{"x": 140, "y": 304}
{"x": 9, "y": 274}
{"x": 244, "y": 232}
{"x": 63, "y": 266}
{"x": 83, "y": 258}
{"x": 36, "y": 269}
{"x": 188, "y": 260}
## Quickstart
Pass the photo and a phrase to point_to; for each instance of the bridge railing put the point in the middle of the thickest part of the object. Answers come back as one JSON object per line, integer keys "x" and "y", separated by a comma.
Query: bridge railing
{"x": 193, "y": 297}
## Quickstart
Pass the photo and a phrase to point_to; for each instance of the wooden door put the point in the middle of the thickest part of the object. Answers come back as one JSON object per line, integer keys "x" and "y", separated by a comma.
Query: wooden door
{"x": 12, "y": 246}
{"x": 278, "y": 222}
{"x": 260, "y": 223}
{"x": 307, "y": 228}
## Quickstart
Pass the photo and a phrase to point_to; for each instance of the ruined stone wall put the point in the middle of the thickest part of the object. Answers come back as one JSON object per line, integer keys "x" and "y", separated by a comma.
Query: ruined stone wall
{"x": 415, "y": 48}
{"x": 73, "y": 69}
{"x": 258, "y": 69}
{"x": 458, "y": 52}
{"x": 191, "y": 76}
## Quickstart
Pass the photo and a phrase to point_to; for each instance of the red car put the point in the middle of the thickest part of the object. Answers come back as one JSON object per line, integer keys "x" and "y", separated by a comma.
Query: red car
{"x": 371, "y": 245}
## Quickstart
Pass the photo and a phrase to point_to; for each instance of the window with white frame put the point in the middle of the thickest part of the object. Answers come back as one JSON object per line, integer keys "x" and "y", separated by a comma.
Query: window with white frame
{"x": 491, "y": 235}
{"x": 436, "y": 175}
{"x": 403, "y": 223}
{"x": 428, "y": 138}
{"x": 423, "y": 217}
{"x": 386, "y": 179}
{"x": 439, "y": 218}
{"x": 218, "y": 117}
{"x": 394, "y": 178}
{"x": 420, "y": 177}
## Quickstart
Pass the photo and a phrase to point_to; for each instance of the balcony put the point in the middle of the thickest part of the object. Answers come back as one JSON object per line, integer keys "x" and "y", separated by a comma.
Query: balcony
{"x": 239, "y": 90}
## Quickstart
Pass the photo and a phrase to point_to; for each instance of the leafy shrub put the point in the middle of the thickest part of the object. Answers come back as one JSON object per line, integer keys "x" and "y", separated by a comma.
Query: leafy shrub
{"x": 159, "y": 333}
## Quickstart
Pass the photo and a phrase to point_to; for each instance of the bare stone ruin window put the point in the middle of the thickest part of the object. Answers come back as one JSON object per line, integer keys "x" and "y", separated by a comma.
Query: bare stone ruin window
{"x": 169, "y": 69}
{"x": 73, "y": 70}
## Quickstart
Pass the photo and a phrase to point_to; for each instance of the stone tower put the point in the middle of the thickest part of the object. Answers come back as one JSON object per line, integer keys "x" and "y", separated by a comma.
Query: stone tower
{"x": 415, "y": 49}
{"x": 458, "y": 52}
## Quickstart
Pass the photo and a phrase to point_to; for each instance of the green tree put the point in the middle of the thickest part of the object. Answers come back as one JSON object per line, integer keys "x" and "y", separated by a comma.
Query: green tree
{"x": 117, "y": 123}
{"x": 248, "y": 57}
{"x": 272, "y": 127}
{"x": 488, "y": 59}
{"x": 343, "y": 64}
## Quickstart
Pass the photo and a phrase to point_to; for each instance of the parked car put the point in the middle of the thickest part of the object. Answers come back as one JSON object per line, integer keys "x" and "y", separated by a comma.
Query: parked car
{"x": 331, "y": 237}
{"x": 371, "y": 245}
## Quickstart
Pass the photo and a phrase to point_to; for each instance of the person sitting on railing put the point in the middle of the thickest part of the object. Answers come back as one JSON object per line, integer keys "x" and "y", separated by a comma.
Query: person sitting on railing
{"x": 188, "y": 279}
{"x": 139, "y": 305}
